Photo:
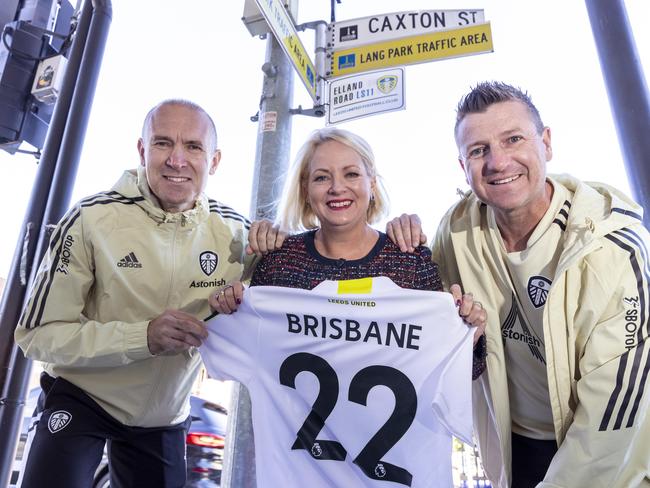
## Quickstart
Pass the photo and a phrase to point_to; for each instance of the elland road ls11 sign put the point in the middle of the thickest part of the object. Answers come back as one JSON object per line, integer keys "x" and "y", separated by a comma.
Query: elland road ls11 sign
{"x": 285, "y": 32}
{"x": 356, "y": 96}
{"x": 432, "y": 46}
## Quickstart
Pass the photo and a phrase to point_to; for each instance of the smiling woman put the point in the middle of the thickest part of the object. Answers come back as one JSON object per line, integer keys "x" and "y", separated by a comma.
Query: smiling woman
{"x": 335, "y": 186}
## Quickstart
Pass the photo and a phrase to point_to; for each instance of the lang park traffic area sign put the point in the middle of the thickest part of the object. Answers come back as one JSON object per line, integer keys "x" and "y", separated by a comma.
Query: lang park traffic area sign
{"x": 356, "y": 96}
{"x": 285, "y": 32}
{"x": 383, "y": 27}
{"x": 433, "y": 46}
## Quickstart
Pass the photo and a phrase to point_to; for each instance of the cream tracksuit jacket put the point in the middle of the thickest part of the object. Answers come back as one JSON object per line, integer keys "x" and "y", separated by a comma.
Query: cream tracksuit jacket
{"x": 115, "y": 262}
{"x": 596, "y": 329}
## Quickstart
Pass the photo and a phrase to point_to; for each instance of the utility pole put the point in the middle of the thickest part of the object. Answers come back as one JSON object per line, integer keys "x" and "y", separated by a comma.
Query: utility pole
{"x": 627, "y": 91}
{"x": 271, "y": 162}
{"x": 49, "y": 200}
{"x": 274, "y": 134}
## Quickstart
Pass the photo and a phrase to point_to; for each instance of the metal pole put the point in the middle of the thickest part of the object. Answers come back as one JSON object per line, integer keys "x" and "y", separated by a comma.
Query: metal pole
{"x": 54, "y": 185}
{"x": 13, "y": 382}
{"x": 12, "y": 300}
{"x": 627, "y": 91}
{"x": 274, "y": 134}
{"x": 271, "y": 162}
{"x": 75, "y": 130}
{"x": 320, "y": 62}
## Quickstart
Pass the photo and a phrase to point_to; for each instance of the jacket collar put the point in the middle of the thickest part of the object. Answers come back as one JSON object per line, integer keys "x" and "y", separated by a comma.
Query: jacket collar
{"x": 597, "y": 210}
{"x": 133, "y": 185}
{"x": 599, "y": 206}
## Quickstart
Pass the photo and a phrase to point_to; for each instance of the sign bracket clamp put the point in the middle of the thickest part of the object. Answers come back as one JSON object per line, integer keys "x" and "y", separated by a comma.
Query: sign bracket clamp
{"x": 315, "y": 111}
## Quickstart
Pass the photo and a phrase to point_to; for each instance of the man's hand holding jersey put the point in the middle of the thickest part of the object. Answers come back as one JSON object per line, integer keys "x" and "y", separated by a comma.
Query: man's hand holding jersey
{"x": 174, "y": 332}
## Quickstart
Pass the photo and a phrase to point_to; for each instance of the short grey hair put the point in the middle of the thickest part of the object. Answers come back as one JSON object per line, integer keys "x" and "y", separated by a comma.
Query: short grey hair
{"x": 185, "y": 103}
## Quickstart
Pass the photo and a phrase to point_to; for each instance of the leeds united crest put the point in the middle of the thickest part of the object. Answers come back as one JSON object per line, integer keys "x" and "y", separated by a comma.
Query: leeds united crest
{"x": 386, "y": 84}
{"x": 208, "y": 261}
{"x": 538, "y": 287}
{"x": 58, "y": 421}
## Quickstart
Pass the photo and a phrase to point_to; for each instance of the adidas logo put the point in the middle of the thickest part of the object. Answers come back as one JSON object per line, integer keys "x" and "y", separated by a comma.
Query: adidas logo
{"x": 129, "y": 261}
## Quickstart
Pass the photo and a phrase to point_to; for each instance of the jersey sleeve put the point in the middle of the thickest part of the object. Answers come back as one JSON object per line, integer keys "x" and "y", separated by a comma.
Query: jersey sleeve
{"x": 53, "y": 328}
{"x": 449, "y": 386}
{"x": 610, "y": 391}
{"x": 232, "y": 345}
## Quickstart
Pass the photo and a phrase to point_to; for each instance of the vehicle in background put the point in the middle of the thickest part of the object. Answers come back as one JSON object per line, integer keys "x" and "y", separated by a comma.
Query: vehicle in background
{"x": 205, "y": 442}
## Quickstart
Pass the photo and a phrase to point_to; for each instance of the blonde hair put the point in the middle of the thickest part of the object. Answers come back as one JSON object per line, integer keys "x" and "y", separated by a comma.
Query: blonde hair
{"x": 294, "y": 212}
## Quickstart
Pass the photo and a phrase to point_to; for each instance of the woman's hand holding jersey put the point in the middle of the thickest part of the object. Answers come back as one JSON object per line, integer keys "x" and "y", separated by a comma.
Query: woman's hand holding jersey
{"x": 471, "y": 311}
{"x": 228, "y": 298}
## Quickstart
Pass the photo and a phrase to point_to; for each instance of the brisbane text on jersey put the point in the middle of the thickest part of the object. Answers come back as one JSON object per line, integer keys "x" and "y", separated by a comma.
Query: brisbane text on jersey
{"x": 402, "y": 335}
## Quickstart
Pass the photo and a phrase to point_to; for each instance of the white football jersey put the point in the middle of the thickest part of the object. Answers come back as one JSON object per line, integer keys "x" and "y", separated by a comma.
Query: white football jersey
{"x": 353, "y": 384}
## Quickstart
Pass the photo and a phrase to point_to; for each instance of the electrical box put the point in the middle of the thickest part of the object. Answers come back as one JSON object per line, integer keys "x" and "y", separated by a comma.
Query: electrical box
{"x": 38, "y": 39}
{"x": 48, "y": 79}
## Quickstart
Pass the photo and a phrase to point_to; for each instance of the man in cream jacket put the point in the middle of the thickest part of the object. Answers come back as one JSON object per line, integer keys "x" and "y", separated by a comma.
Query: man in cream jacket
{"x": 561, "y": 266}
{"x": 116, "y": 311}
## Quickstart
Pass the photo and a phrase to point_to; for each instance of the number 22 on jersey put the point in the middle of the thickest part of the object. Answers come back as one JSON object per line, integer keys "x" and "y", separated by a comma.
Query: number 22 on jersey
{"x": 369, "y": 459}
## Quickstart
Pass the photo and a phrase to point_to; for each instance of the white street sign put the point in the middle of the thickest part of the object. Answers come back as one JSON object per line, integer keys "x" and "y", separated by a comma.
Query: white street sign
{"x": 384, "y": 27}
{"x": 285, "y": 32}
{"x": 353, "y": 97}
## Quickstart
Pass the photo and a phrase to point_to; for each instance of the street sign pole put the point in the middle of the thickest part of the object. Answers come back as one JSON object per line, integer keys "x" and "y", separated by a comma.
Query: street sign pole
{"x": 271, "y": 162}
{"x": 274, "y": 134}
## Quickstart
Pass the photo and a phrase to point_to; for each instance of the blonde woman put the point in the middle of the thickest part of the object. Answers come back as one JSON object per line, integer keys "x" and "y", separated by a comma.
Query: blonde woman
{"x": 333, "y": 195}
